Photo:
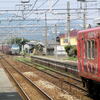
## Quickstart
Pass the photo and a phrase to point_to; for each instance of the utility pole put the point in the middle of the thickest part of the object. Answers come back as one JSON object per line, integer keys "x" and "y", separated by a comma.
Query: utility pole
{"x": 23, "y": 15}
{"x": 84, "y": 15}
{"x": 50, "y": 2}
{"x": 46, "y": 33}
{"x": 85, "y": 11}
{"x": 68, "y": 22}
{"x": 24, "y": 5}
{"x": 55, "y": 41}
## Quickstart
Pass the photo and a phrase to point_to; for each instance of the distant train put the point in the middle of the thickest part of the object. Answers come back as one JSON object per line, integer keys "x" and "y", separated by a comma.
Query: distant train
{"x": 10, "y": 49}
{"x": 5, "y": 48}
{"x": 15, "y": 49}
{"x": 89, "y": 59}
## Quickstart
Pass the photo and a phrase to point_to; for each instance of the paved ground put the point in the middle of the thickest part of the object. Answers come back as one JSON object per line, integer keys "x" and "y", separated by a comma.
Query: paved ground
{"x": 10, "y": 96}
{"x": 7, "y": 90}
{"x": 5, "y": 84}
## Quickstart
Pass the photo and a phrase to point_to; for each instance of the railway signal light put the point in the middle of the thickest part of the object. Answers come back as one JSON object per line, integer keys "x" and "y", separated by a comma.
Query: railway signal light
{"x": 57, "y": 39}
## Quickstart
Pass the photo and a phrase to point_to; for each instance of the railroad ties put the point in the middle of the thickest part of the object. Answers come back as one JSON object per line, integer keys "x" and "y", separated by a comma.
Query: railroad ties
{"x": 28, "y": 89}
{"x": 37, "y": 83}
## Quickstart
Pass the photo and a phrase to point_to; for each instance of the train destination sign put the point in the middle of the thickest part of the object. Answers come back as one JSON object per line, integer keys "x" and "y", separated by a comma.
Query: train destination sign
{"x": 91, "y": 35}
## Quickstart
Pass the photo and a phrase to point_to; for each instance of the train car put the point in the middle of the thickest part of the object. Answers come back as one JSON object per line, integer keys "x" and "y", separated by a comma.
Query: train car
{"x": 15, "y": 49}
{"x": 89, "y": 59}
{"x": 5, "y": 49}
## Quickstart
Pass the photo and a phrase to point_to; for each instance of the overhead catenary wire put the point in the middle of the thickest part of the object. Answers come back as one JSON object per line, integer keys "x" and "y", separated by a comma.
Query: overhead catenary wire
{"x": 31, "y": 9}
{"x": 42, "y": 4}
{"x": 55, "y": 3}
{"x": 45, "y": 9}
{"x": 34, "y": 5}
{"x": 45, "y": 3}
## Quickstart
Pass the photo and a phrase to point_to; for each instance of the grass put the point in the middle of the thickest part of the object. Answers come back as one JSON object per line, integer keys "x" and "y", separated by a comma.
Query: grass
{"x": 23, "y": 59}
{"x": 62, "y": 58}
{"x": 27, "y": 60}
{"x": 71, "y": 58}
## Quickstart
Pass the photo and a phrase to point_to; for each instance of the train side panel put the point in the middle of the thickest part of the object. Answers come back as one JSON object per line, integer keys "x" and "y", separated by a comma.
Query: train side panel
{"x": 5, "y": 49}
{"x": 89, "y": 60}
{"x": 89, "y": 54}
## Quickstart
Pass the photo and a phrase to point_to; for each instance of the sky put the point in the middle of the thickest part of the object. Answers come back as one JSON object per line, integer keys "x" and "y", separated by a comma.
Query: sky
{"x": 11, "y": 4}
{"x": 61, "y": 4}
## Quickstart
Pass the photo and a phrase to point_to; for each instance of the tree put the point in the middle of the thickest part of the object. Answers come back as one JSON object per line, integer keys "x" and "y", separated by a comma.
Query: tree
{"x": 18, "y": 41}
{"x": 39, "y": 48}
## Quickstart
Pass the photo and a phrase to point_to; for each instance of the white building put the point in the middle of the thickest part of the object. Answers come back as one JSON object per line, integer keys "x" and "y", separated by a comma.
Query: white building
{"x": 97, "y": 21}
{"x": 29, "y": 46}
{"x": 60, "y": 50}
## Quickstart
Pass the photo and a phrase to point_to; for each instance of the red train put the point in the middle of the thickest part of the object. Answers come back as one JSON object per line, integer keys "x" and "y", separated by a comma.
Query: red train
{"x": 89, "y": 59}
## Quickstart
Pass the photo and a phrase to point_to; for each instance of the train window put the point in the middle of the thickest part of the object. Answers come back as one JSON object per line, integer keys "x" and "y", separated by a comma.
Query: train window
{"x": 85, "y": 49}
{"x": 93, "y": 49}
{"x": 90, "y": 49}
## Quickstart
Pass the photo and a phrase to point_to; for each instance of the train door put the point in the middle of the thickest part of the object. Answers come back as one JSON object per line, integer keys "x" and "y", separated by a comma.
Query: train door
{"x": 80, "y": 53}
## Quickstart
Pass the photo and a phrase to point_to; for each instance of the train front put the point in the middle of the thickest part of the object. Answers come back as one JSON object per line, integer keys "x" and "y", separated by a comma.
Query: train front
{"x": 15, "y": 49}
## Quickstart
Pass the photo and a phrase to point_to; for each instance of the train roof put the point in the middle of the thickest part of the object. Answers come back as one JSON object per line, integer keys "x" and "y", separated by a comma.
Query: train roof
{"x": 89, "y": 30}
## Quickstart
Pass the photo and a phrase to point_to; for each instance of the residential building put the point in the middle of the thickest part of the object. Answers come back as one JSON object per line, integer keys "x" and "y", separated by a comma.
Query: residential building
{"x": 72, "y": 41}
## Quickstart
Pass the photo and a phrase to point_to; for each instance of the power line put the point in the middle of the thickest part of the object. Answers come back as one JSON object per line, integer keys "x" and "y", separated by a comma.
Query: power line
{"x": 29, "y": 19}
{"x": 42, "y": 4}
{"x": 10, "y": 1}
{"x": 73, "y": 9}
{"x": 34, "y": 5}
{"x": 55, "y": 3}
{"x": 28, "y": 26}
{"x": 32, "y": 9}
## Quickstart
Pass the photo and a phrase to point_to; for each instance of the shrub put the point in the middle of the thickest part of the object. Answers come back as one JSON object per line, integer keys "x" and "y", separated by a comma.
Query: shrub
{"x": 71, "y": 50}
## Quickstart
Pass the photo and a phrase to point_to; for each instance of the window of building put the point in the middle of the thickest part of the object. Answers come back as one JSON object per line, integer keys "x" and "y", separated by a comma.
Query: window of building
{"x": 65, "y": 40}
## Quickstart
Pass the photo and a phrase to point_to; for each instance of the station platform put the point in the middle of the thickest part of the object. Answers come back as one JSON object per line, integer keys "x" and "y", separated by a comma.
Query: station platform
{"x": 7, "y": 90}
{"x": 59, "y": 59}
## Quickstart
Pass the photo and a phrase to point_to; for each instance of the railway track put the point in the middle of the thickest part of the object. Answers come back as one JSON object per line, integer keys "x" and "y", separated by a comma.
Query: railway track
{"x": 66, "y": 83}
{"x": 70, "y": 67}
{"x": 30, "y": 90}
{"x": 67, "y": 80}
{"x": 75, "y": 82}
{"x": 55, "y": 95}
{"x": 58, "y": 72}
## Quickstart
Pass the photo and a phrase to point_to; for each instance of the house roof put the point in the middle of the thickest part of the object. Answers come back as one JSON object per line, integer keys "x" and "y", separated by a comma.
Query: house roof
{"x": 73, "y": 33}
{"x": 35, "y": 43}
